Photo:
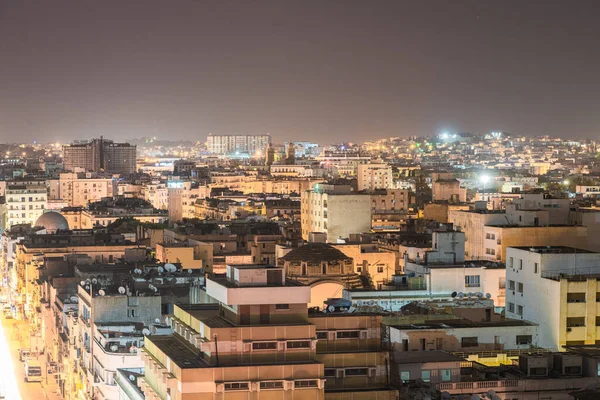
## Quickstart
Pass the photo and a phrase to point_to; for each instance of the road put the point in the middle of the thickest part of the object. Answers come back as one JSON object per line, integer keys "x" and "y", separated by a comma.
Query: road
{"x": 12, "y": 370}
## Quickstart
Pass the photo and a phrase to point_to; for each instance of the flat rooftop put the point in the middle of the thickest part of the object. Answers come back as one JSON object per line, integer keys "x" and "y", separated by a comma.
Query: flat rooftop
{"x": 417, "y": 357}
{"x": 459, "y": 323}
{"x": 553, "y": 249}
{"x": 181, "y": 352}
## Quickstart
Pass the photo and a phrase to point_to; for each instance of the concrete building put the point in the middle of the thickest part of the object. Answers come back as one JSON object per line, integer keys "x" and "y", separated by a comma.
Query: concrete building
{"x": 100, "y": 155}
{"x": 241, "y": 144}
{"x": 26, "y": 200}
{"x": 464, "y": 336}
{"x": 374, "y": 176}
{"x": 327, "y": 209}
{"x": 555, "y": 287}
{"x": 80, "y": 189}
{"x": 377, "y": 265}
{"x": 156, "y": 194}
{"x": 191, "y": 254}
{"x": 182, "y": 197}
{"x": 448, "y": 190}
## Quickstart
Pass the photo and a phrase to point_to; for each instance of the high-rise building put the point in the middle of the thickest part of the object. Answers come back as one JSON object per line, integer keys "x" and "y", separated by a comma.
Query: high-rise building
{"x": 241, "y": 144}
{"x": 101, "y": 155}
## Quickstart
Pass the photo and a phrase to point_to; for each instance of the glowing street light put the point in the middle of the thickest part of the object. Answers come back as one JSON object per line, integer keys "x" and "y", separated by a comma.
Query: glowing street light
{"x": 566, "y": 182}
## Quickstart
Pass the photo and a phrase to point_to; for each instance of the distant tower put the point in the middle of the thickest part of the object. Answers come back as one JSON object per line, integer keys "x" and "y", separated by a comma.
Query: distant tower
{"x": 290, "y": 154}
{"x": 270, "y": 155}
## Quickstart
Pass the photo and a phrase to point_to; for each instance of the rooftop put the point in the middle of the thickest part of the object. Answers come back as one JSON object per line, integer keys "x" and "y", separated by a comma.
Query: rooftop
{"x": 417, "y": 357}
{"x": 315, "y": 252}
{"x": 553, "y": 249}
{"x": 463, "y": 323}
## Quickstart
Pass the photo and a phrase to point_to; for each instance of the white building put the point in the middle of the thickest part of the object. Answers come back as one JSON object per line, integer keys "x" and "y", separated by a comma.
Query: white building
{"x": 26, "y": 200}
{"x": 335, "y": 210}
{"x": 156, "y": 194}
{"x": 80, "y": 189}
{"x": 557, "y": 288}
{"x": 373, "y": 176}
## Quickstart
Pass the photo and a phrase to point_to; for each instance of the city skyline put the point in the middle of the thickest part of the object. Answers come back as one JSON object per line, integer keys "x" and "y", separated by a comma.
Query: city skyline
{"x": 346, "y": 71}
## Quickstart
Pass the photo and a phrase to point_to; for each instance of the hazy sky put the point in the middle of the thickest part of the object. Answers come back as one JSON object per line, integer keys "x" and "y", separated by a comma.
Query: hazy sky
{"x": 301, "y": 70}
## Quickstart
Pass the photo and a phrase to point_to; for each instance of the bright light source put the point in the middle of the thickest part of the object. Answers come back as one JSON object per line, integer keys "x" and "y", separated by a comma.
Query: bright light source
{"x": 444, "y": 135}
{"x": 566, "y": 182}
{"x": 484, "y": 178}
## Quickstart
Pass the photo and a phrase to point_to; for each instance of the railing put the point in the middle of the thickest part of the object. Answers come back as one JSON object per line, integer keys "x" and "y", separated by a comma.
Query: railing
{"x": 477, "y": 385}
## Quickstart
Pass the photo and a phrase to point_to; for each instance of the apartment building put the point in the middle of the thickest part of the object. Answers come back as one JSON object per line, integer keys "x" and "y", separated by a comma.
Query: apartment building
{"x": 156, "y": 194}
{"x": 182, "y": 197}
{"x": 374, "y": 176}
{"x": 557, "y": 288}
{"x": 26, "y": 200}
{"x": 80, "y": 189}
{"x": 255, "y": 338}
{"x": 240, "y": 144}
{"x": 334, "y": 210}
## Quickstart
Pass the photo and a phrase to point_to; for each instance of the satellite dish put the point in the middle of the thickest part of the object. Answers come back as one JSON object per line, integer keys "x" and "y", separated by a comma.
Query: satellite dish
{"x": 82, "y": 283}
{"x": 87, "y": 281}
{"x": 122, "y": 290}
{"x": 331, "y": 308}
{"x": 454, "y": 294}
{"x": 67, "y": 301}
{"x": 155, "y": 289}
{"x": 146, "y": 331}
{"x": 460, "y": 295}
{"x": 488, "y": 296}
{"x": 74, "y": 299}
{"x": 189, "y": 271}
{"x": 161, "y": 270}
{"x": 131, "y": 378}
{"x": 470, "y": 294}
{"x": 157, "y": 320}
{"x": 94, "y": 281}
{"x": 114, "y": 347}
{"x": 479, "y": 294}
{"x": 351, "y": 309}
{"x": 87, "y": 287}
{"x": 101, "y": 292}
{"x": 170, "y": 267}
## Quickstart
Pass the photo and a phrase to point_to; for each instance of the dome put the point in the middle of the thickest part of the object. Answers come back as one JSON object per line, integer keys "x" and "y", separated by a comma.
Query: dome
{"x": 52, "y": 221}
{"x": 315, "y": 252}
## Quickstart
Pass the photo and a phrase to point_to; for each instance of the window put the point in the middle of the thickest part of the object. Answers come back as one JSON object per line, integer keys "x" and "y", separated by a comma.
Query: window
{"x": 510, "y": 262}
{"x": 520, "y": 310}
{"x": 520, "y": 263}
{"x": 348, "y": 335}
{"x": 306, "y": 384}
{"x": 379, "y": 269}
{"x": 524, "y": 339}
{"x": 264, "y": 345}
{"x": 536, "y": 268}
{"x": 575, "y": 321}
{"x": 469, "y": 341}
{"x": 282, "y": 306}
{"x": 271, "y": 385}
{"x": 575, "y": 297}
{"x": 540, "y": 371}
{"x": 502, "y": 283}
{"x": 511, "y": 285}
{"x": 322, "y": 335}
{"x": 426, "y": 376}
{"x": 236, "y": 386}
{"x": 446, "y": 375}
{"x": 472, "y": 280}
{"x": 300, "y": 344}
{"x": 358, "y": 269}
{"x": 519, "y": 287}
{"x": 357, "y": 371}
{"x": 511, "y": 307}
{"x": 330, "y": 372}
{"x": 405, "y": 375}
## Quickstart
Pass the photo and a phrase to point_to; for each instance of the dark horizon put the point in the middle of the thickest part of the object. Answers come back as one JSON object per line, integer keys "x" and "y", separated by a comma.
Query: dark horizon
{"x": 317, "y": 71}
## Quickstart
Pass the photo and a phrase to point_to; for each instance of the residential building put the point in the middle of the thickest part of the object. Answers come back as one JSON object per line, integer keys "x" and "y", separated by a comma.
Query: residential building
{"x": 555, "y": 287}
{"x": 374, "y": 176}
{"x": 326, "y": 208}
{"x": 26, "y": 200}
{"x": 240, "y": 144}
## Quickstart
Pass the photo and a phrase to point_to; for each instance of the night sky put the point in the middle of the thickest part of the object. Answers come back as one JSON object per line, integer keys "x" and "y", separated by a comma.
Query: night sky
{"x": 301, "y": 70}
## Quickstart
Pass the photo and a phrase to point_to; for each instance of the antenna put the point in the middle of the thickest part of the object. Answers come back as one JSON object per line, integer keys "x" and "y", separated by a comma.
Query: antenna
{"x": 101, "y": 292}
{"x": 122, "y": 290}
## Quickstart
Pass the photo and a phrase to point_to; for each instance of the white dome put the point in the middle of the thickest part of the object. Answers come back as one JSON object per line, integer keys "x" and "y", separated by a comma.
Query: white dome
{"x": 52, "y": 221}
